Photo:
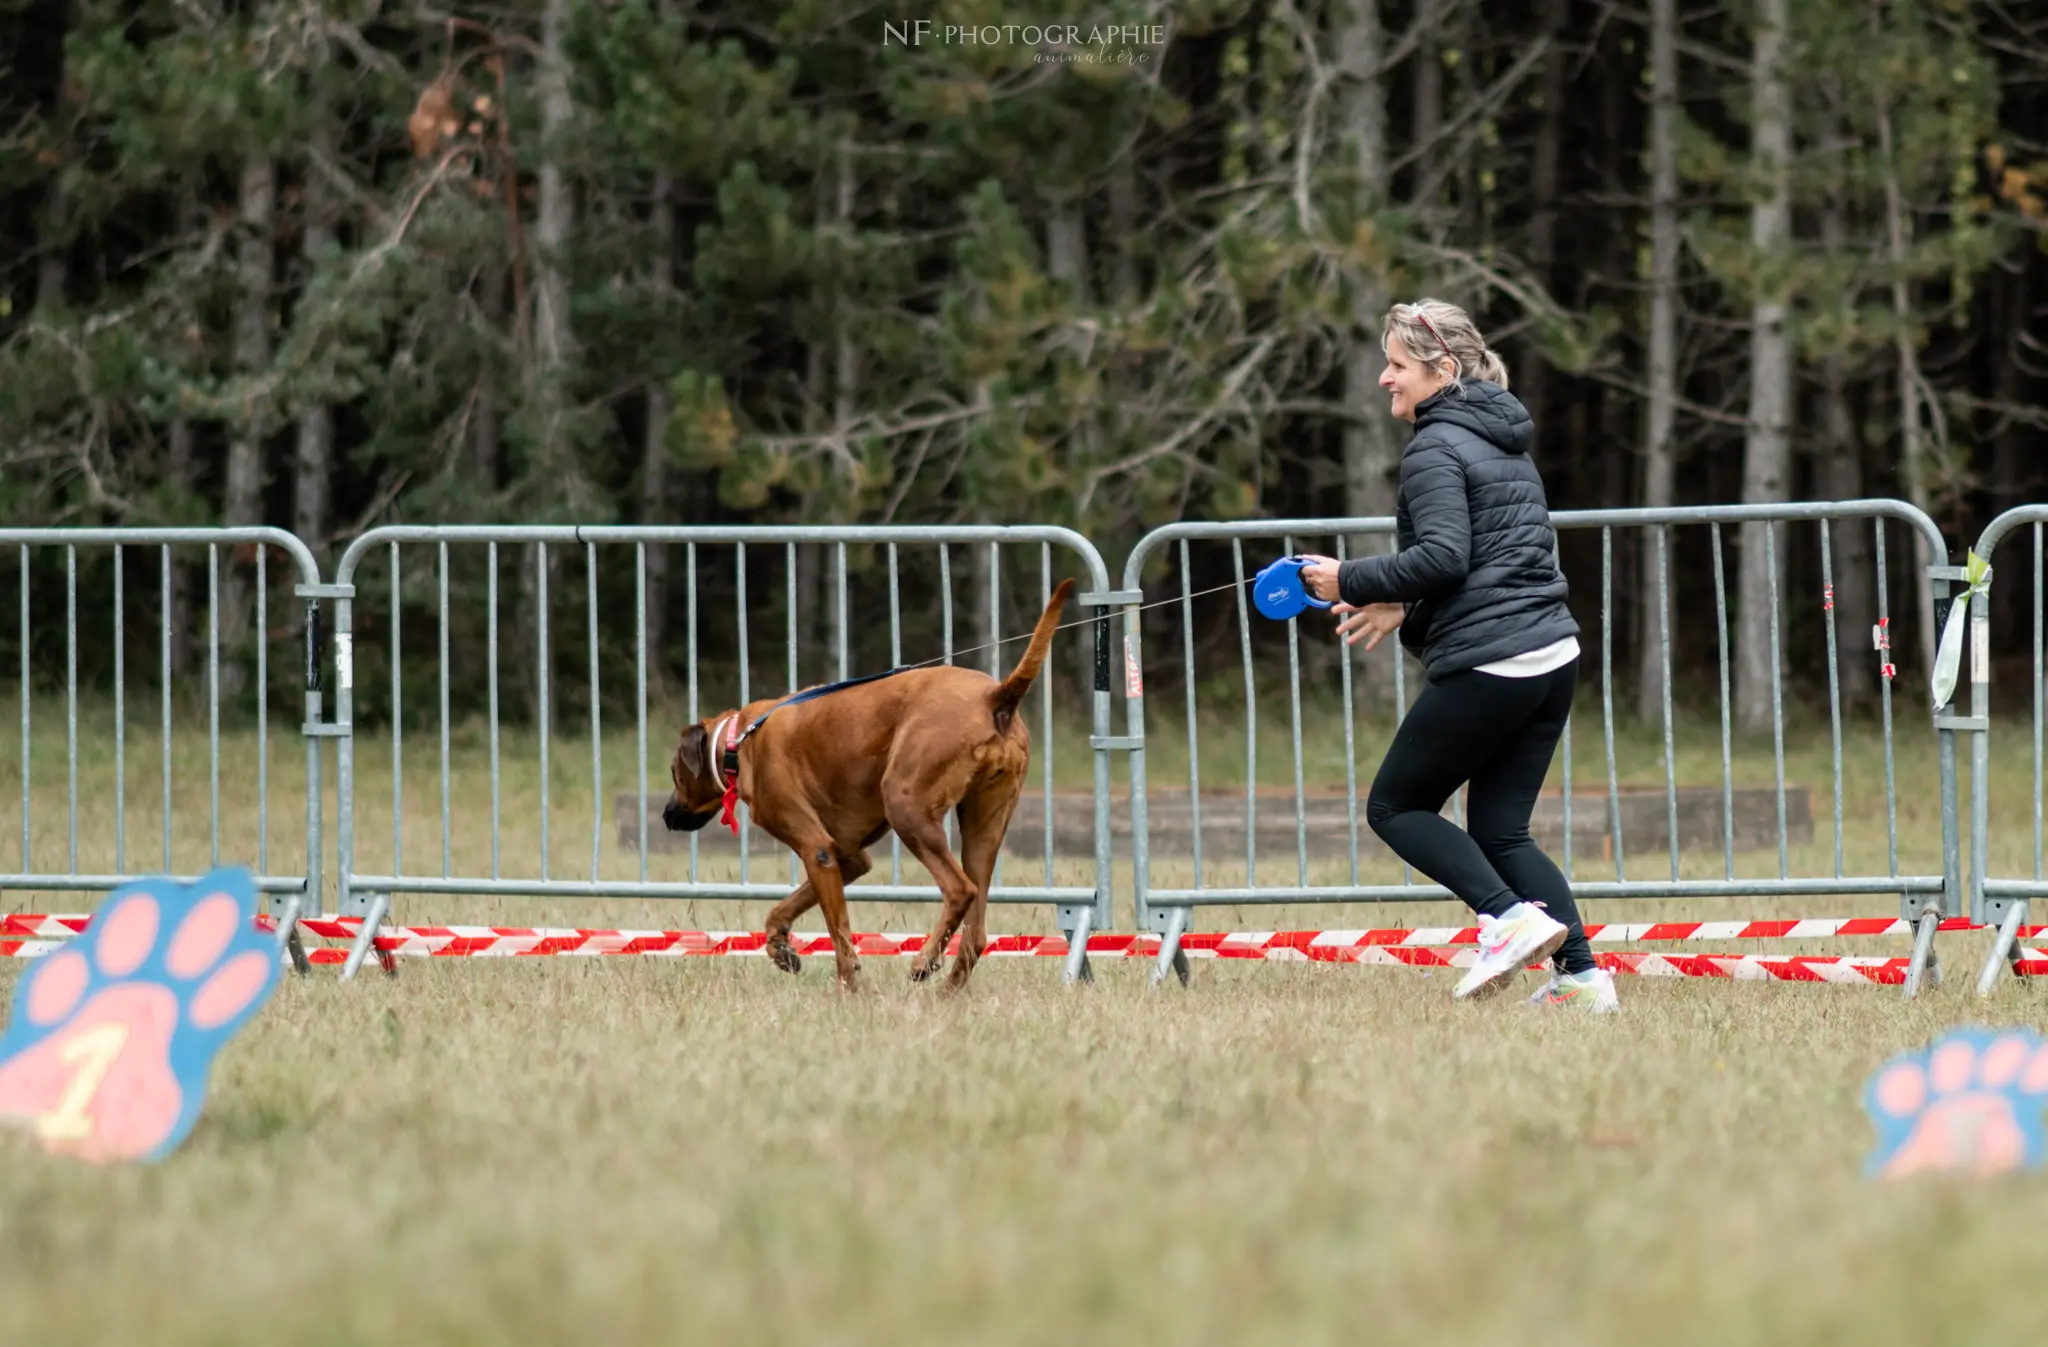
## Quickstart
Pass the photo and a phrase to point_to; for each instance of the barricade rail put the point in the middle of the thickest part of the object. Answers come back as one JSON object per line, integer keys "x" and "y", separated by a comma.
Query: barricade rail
{"x": 1921, "y": 896}
{"x": 237, "y": 600}
{"x": 160, "y": 579}
{"x": 366, "y": 893}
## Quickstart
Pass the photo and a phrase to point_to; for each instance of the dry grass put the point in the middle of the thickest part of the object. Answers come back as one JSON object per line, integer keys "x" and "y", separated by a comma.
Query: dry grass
{"x": 614, "y": 1151}
{"x": 623, "y": 1151}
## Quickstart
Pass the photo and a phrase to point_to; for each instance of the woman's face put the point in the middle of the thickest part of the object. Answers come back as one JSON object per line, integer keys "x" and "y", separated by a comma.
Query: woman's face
{"x": 1409, "y": 380}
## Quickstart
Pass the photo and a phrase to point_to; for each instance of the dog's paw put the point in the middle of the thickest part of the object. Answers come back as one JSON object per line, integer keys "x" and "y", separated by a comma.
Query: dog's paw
{"x": 115, "y": 1033}
{"x": 1972, "y": 1104}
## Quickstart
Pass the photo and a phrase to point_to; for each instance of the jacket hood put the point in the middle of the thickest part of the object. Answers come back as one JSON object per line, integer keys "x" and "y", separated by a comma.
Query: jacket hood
{"x": 1486, "y": 409}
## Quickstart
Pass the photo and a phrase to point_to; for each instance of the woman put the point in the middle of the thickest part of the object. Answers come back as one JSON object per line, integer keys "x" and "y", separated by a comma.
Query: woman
{"x": 1476, "y": 591}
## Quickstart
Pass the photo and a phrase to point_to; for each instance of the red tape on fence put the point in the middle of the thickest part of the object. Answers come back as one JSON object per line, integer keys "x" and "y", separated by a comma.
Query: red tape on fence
{"x": 41, "y": 926}
{"x": 29, "y": 935}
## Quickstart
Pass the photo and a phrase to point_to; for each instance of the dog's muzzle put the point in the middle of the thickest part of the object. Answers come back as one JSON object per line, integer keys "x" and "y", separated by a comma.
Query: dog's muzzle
{"x": 680, "y": 820}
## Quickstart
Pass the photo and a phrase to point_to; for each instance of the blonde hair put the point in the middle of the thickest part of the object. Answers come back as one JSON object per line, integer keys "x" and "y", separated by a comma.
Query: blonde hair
{"x": 1432, "y": 331}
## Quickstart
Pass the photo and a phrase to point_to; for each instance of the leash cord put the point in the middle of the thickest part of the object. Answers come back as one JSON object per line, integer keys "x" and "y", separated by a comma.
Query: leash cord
{"x": 731, "y": 748}
{"x": 1084, "y": 622}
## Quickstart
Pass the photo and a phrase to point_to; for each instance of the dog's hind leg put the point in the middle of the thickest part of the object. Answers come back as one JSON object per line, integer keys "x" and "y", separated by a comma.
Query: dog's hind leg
{"x": 984, "y": 822}
{"x": 927, "y": 841}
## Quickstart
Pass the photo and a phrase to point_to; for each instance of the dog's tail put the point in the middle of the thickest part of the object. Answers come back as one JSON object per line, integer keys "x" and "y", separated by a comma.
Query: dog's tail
{"x": 1009, "y": 693}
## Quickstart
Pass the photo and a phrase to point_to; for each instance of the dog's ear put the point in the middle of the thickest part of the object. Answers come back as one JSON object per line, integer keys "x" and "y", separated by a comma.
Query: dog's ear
{"x": 693, "y": 753}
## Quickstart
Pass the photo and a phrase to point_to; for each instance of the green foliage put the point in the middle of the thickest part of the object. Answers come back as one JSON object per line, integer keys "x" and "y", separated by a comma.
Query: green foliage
{"x": 1911, "y": 72}
{"x": 1105, "y": 284}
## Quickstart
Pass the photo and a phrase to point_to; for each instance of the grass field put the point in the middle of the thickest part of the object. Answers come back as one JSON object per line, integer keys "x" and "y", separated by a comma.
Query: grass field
{"x": 625, "y": 1151}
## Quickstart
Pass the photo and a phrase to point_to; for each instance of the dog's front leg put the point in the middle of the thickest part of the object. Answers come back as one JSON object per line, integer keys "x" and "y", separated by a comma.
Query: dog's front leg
{"x": 821, "y": 867}
{"x": 780, "y": 918}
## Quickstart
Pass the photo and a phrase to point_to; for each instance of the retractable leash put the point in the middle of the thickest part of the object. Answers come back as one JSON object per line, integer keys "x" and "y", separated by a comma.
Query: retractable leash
{"x": 1279, "y": 593}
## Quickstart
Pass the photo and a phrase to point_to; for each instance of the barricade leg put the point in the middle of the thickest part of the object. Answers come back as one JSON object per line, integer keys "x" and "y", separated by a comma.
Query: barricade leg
{"x": 1172, "y": 958}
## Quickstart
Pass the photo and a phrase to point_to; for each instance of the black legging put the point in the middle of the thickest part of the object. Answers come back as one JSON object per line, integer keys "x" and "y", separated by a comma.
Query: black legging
{"x": 1499, "y": 734}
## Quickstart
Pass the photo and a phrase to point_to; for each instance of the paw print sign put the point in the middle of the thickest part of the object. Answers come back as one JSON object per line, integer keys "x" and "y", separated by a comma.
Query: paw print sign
{"x": 112, "y": 1037}
{"x": 1970, "y": 1103}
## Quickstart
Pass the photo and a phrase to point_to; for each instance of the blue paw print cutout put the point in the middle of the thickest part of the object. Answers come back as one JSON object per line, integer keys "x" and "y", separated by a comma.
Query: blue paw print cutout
{"x": 1969, "y": 1103}
{"x": 113, "y": 1036}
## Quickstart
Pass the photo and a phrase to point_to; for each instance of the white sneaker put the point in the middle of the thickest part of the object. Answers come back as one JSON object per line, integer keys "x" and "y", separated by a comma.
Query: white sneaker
{"x": 1591, "y": 991}
{"x": 1520, "y": 936}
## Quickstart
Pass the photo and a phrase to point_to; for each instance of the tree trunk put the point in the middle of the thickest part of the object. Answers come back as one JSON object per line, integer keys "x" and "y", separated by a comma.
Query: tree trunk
{"x": 55, "y": 243}
{"x": 809, "y": 590}
{"x": 1371, "y": 447}
{"x": 181, "y": 471}
{"x": 2013, "y": 453}
{"x": 1853, "y": 541}
{"x": 981, "y": 578}
{"x": 1372, "y": 450}
{"x": 1124, "y": 286}
{"x": 1841, "y": 478}
{"x": 845, "y": 401}
{"x": 555, "y": 220}
{"x": 242, "y": 500}
{"x": 1659, "y": 455}
{"x": 313, "y": 476}
{"x": 1912, "y": 442}
{"x": 654, "y": 474}
{"x": 487, "y": 426}
{"x": 552, "y": 470}
{"x": 1066, "y": 257}
{"x": 1471, "y": 215}
{"x": 51, "y": 271}
{"x": 313, "y": 464}
{"x": 1426, "y": 109}
{"x": 1066, "y": 248}
{"x": 1766, "y": 461}
{"x": 1123, "y": 228}
{"x": 1533, "y": 380}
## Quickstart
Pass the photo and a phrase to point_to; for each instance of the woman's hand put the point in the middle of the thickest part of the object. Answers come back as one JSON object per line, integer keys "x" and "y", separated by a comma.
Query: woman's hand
{"x": 1371, "y": 624}
{"x": 1319, "y": 577}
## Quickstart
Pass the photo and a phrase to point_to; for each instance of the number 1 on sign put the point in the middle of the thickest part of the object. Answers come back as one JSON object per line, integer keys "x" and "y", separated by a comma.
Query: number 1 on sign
{"x": 94, "y": 1051}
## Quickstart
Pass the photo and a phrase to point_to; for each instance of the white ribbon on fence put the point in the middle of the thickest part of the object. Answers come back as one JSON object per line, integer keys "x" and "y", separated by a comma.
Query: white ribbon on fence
{"x": 1948, "y": 659}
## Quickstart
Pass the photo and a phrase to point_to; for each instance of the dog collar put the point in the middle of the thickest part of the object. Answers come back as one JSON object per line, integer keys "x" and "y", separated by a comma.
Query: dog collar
{"x": 726, "y": 754}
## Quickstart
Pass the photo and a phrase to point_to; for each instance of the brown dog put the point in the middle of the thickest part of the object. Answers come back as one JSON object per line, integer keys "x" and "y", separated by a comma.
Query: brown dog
{"x": 829, "y": 777}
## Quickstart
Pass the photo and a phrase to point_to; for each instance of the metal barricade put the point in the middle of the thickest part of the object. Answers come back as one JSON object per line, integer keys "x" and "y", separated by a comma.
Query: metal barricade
{"x": 121, "y": 563}
{"x": 739, "y": 552}
{"x": 2001, "y": 900}
{"x": 1924, "y": 897}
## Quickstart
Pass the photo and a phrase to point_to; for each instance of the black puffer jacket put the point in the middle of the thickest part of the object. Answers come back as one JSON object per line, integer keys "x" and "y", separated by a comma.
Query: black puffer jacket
{"x": 1477, "y": 567}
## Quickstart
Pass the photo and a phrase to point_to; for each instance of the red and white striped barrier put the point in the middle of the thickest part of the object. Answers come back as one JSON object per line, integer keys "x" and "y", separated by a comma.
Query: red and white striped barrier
{"x": 42, "y": 926}
{"x": 1615, "y": 933}
{"x": 30, "y": 935}
{"x": 1739, "y": 967}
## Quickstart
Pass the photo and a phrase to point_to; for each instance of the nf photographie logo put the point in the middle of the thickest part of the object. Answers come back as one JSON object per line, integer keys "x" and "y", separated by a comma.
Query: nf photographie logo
{"x": 1051, "y": 42}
